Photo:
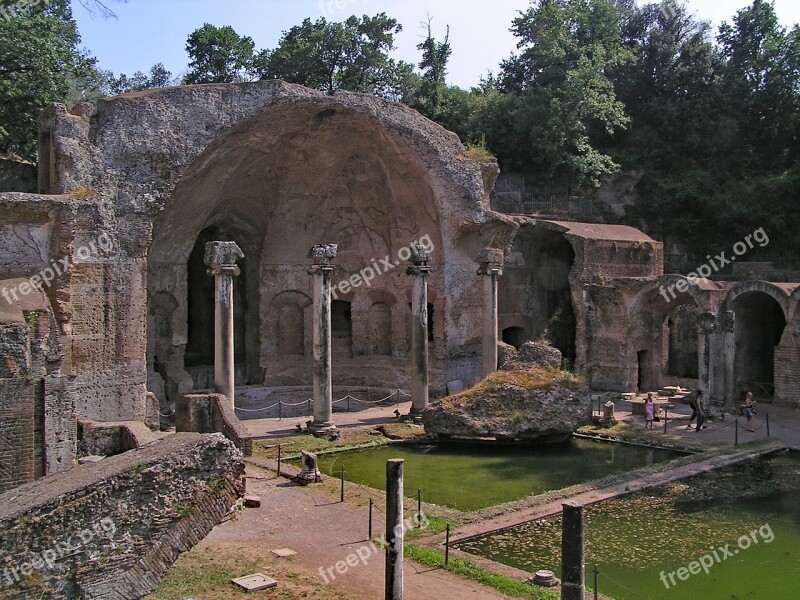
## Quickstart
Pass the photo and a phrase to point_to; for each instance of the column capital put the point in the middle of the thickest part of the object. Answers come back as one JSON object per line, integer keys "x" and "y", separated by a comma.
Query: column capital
{"x": 323, "y": 254}
{"x": 221, "y": 258}
{"x": 491, "y": 261}
{"x": 420, "y": 257}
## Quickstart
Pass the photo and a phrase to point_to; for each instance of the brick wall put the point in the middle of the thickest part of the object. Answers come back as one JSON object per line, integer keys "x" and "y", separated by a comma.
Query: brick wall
{"x": 112, "y": 529}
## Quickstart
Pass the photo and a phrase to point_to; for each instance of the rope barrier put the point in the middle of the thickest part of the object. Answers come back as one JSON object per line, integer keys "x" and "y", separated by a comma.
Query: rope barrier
{"x": 282, "y": 403}
{"x": 166, "y": 414}
{"x": 256, "y": 409}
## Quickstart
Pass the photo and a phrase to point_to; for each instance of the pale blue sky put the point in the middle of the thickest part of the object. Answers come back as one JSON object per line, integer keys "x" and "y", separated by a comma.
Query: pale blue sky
{"x": 150, "y": 31}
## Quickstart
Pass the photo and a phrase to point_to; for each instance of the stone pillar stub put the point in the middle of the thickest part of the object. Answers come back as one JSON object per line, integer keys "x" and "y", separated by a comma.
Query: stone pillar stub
{"x": 420, "y": 269}
{"x": 573, "y": 578}
{"x": 221, "y": 260}
{"x": 491, "y": 267}
{"x": 706, "y": 324}
{"x": 729, "y": 340}
{"x": 395, "y": 533}
{"x": 322, "y": 272}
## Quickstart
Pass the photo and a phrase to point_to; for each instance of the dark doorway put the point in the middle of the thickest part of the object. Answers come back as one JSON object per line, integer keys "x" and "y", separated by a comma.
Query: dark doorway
{"x": 759, "y": 326}
{"x": 341, "y": 328}
{"x": 514, "y": 336}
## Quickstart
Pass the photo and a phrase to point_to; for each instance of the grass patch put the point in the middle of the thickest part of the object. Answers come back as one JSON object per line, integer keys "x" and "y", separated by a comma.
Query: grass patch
{"x": 531, "y": 379}
{"x": 469, "y": 570}
{"x": 206, "y": 572}
{"x": 348, "y": 438}
{"x": 479, "y": 151}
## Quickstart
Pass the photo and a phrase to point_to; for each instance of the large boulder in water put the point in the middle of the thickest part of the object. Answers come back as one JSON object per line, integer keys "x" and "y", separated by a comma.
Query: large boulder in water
{"x": 534, "y": 404}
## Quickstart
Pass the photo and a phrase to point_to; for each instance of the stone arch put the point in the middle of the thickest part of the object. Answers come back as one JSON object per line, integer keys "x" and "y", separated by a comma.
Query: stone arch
{"x": 761, "y": 318}
{"x": 653, "y": 323}
{"x": 776, "y": 292}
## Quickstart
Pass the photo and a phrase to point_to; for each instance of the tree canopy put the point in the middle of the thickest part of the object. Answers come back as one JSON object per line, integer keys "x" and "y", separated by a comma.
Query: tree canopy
{"x": 40, "y": 61}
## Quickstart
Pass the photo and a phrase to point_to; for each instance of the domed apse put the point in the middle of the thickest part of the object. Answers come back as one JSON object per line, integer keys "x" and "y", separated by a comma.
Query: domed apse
{"x": 278, "y": 183}
{"x": 534, "y": 292}
{"x": 759, "y": 326}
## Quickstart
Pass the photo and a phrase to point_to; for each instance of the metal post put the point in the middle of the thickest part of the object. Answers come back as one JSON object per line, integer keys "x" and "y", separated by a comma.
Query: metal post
{"x": 280, "y": 416}
{"x": 596, "y": 573}
{"x": 348, "y": 403}
{"x": 279, "y": 460}
{"x": 736, "y": 437}
{"x": 308, "y": 406}
{"x": 447, "y": 546}
{"x": 342, "y": 492}
{"x": 419, "y": 507}
{"x": 394, "y": 530}
{"x": 666, "y": 414}
{"x": 370, "y": 518}
{"x": 767, "y": 424}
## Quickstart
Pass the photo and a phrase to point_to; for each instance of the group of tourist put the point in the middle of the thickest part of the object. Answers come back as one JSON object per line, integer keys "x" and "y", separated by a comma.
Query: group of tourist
{"x": 698, "y": 411}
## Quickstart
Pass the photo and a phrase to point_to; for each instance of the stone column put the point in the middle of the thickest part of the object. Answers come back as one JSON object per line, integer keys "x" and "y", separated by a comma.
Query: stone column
{"x": 420, "y": 258}
{"x": 491, "y": 261}
{"x": 705, "y": 327}
{"x": 221, "y": 260}
{"x": 573, "y": 578}
{"x": 729, "y": 337}
{"x": 393, "y": 574}
{"x": 322, "y": 271}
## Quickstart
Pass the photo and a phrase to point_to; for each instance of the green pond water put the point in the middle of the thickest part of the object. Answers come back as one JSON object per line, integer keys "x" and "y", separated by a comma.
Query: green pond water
{"x": 634, "y": 539}
{"x": 468, "y": 476}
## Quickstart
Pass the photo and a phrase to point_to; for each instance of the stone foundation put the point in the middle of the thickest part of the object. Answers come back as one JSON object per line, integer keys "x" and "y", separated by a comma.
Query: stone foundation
{"x": 112, "y": 529}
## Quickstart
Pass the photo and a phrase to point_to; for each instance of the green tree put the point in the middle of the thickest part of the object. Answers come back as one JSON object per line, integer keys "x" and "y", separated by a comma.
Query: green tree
{"x": 39, "y": 62}
{"x": 559, "y": 91}
{"x": 352, "y": 55}
{"x": 433, "y": 86}
{"x": 158, "y": 76}
{"x": 219, "y": 55}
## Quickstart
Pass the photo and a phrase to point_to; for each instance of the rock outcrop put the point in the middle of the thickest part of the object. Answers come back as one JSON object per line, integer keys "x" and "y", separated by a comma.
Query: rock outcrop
{"x": 535, "y": 404}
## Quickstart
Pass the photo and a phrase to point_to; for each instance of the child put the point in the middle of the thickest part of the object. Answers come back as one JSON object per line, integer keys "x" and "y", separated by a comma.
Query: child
{"x": 649, "y": 410}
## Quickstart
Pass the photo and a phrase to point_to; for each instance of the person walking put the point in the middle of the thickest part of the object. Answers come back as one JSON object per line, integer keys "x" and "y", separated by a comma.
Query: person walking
{"x": 749, "y": 410}
{"x": 697, "y": 408}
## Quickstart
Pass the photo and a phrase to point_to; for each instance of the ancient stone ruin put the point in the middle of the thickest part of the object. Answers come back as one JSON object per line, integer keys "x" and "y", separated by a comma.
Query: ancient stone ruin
{"x": 107, "y": 311}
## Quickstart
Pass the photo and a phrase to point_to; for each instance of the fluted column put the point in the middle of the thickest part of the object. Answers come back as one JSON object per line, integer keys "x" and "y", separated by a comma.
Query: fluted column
{"x": 221, "y": 260}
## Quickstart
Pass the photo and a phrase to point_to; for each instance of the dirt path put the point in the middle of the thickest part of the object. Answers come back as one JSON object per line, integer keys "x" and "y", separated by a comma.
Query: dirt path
{"x": 323, "y": 532}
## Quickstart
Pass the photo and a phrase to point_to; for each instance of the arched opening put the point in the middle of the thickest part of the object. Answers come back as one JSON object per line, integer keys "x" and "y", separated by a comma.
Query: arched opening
{"x": 514, "y": 336}
{"x": 760, "y": 322}
{"x": 341, "y": 329}
{"x": 200, "y": 305}
{"x": 679, "y": 337}
{"x": 535, "y": 289}
{"x": 380, "y": 329}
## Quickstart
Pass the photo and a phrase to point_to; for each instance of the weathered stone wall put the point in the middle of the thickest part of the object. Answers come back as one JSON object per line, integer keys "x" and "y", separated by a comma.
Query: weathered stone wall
{"x": 112, "y": 529}
{"x": 212, "y": 413}
{"x": 37, "y": 413}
